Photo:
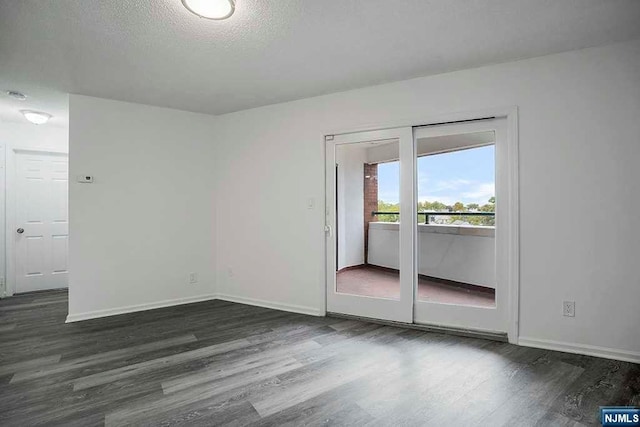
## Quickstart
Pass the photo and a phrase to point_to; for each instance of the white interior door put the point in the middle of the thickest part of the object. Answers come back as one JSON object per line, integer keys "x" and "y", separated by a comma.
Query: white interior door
{"x": 462, "y": 260}
{"x": 386, "y": 292}
{"x": 41, "y": 220}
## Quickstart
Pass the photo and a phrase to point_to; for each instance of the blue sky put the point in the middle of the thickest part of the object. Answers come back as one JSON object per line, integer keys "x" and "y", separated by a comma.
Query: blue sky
{"x": 466, "y": 176}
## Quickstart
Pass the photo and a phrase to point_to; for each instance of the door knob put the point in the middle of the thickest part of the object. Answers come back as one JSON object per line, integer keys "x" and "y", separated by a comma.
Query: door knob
{"x": 20, "y": 230}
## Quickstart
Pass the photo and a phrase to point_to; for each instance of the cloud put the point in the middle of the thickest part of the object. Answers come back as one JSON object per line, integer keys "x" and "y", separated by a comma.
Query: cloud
{"x": 453, "y": 184}
{"x": 447, "y": 191}
{"x": 460, "y": 190}
{"x": 480, "y": 193}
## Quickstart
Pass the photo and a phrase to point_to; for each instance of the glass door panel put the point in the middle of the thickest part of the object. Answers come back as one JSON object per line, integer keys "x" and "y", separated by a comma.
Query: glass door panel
{"x": 368, "y": 219}
{"x": 369, "y": 247}
{"x": 457, "y": 224}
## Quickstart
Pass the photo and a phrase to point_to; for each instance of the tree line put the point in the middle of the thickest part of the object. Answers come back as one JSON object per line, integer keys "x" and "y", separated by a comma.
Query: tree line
{"x": 437, "y": 206}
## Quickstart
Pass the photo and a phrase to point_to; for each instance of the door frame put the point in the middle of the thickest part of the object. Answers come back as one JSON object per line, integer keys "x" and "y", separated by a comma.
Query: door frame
{"x": 11, "y": 206}
{"x": 510, "y": 113}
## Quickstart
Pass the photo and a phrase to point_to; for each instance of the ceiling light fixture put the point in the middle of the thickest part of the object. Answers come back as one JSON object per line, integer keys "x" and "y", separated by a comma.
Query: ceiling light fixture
{"x": 17, "y": 95}
{"x": 36, "y": 117}
{"x": 210, "y": 9}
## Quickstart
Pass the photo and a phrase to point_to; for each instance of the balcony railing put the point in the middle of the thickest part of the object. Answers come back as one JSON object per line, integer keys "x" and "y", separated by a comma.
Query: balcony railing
{"x": 428, "y": 214}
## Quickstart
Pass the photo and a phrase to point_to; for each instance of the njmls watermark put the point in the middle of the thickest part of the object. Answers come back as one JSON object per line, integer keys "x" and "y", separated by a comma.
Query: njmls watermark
{"x": 619, "y": 416}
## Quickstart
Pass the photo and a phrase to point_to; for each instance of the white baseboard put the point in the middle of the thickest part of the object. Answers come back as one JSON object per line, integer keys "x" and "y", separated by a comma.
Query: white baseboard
{"x": 134, "y": 308}
{"x": 588, "y": 350}
{"x": 168, "y": 303}
{"x": 301, "y": 309}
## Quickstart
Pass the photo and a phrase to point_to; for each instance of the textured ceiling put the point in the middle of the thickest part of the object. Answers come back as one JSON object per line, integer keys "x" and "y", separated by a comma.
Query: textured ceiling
{"x": 156, "y": 52}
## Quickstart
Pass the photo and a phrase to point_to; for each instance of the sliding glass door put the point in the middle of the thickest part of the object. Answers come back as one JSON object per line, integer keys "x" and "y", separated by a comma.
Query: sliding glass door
{"x": 416, "y": 222}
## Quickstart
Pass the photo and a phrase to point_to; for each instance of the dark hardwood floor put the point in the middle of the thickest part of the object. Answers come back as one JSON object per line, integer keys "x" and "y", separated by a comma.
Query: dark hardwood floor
{"x": 218, "y": 363}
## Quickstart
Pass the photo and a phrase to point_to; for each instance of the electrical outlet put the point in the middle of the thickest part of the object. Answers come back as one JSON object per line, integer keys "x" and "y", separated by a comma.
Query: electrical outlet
{"x": 193, "y": 278}
{"x": 569, "y": 308}
{"x": 85, "y": 179}
{"x": 230, "y": 272}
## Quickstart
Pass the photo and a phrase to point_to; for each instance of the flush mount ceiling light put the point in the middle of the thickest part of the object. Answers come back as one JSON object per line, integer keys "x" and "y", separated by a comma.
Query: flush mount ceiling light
{"x": 36, "y": 117}
{"x": 17, "y": 95}
{"x": 210, "y": 9}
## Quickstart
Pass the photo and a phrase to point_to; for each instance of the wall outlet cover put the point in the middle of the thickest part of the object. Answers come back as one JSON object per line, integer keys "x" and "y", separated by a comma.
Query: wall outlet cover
{"x": 84, "y": 179}
{"x": 569, "y": 308}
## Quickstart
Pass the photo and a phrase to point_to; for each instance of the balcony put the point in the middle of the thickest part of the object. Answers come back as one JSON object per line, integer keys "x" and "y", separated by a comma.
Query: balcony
{"x": 456, "y": 262}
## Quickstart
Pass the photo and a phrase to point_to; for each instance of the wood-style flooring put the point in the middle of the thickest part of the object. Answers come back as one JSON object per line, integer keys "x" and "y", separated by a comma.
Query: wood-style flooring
{"x": 221, "y": 363}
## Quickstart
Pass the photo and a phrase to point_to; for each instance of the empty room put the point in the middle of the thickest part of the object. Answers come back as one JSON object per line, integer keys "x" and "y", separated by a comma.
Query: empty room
{"x": 303, "y": 212}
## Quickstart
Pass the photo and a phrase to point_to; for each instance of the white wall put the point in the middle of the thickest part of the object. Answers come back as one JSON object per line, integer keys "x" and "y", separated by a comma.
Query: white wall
{"x": 350, "y": 159}
{"x": 384, "y": 152}
{"x": 147, "y": 221}
{"x": 460, "y": 253}
{"x": 36, "y": 137}
{"x": 579, "y": 148}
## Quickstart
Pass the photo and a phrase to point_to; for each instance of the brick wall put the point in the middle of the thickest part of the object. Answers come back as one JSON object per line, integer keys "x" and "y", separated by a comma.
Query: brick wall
{"x": 370, "y": 201}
